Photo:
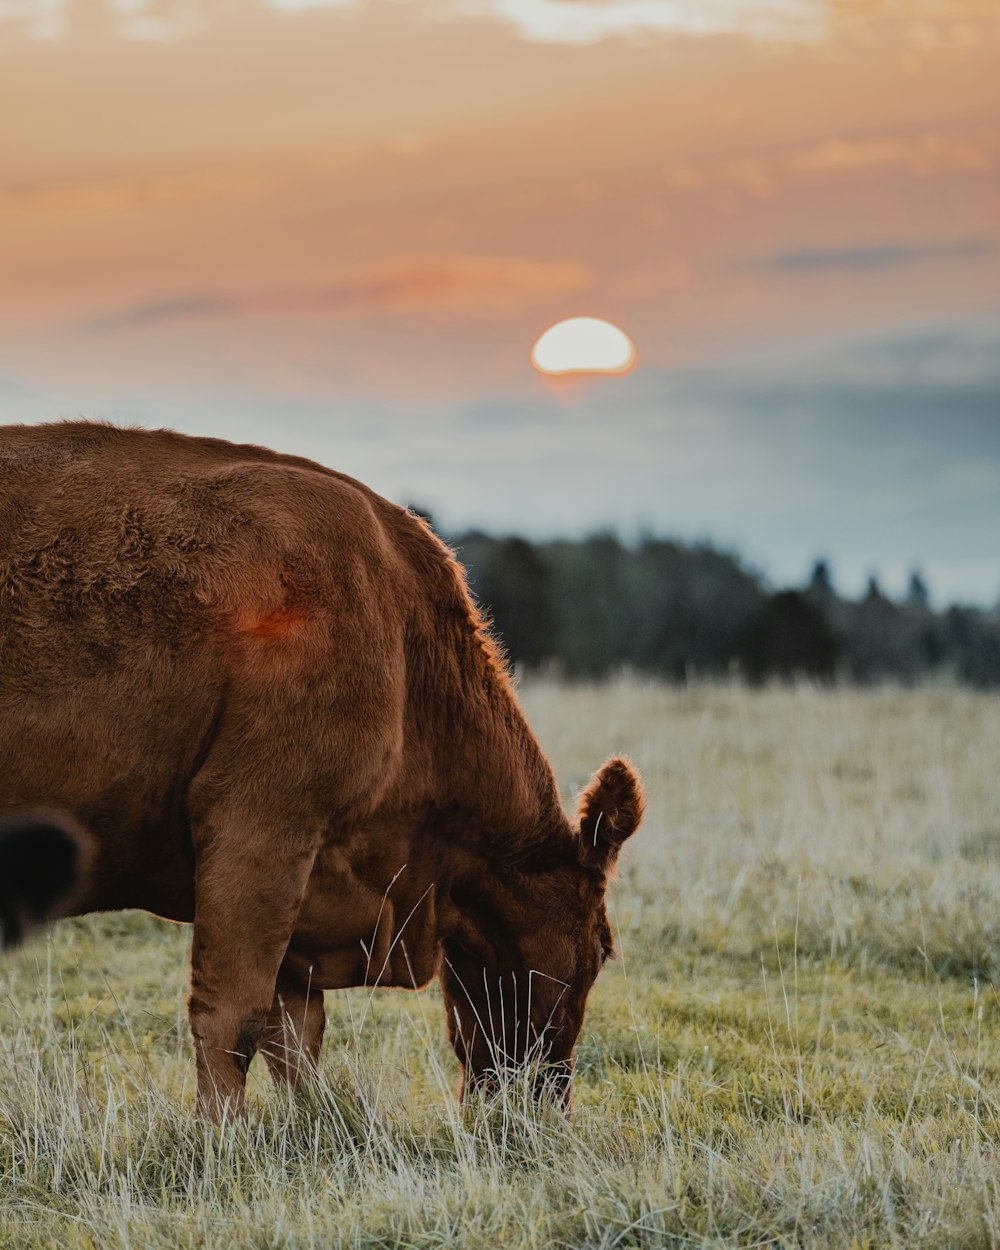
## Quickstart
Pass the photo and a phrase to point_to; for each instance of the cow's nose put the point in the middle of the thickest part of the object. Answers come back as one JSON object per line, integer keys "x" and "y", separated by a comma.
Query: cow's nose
{"x": 553, "y": 1084}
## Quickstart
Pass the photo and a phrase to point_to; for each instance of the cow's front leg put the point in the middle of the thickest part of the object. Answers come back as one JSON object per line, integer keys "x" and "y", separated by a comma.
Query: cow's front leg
{"x": 294, "y": 1031}
{"x": 249, "y": 884}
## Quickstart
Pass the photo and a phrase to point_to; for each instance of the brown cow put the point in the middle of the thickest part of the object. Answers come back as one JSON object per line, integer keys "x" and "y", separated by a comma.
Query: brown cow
{"x": 267, "y": 695}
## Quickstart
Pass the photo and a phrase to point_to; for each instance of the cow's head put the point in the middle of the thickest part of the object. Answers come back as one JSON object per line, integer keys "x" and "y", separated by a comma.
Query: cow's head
{"x": 520, "y": 961}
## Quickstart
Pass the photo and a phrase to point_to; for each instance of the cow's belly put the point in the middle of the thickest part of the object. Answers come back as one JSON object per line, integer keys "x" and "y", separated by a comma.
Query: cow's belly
{"x": 341, "y": 969}
{"x": 354, "y": 930}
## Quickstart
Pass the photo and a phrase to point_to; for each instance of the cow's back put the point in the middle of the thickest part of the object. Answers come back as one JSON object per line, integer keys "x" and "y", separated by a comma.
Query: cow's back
{"x": 160, "y": 595}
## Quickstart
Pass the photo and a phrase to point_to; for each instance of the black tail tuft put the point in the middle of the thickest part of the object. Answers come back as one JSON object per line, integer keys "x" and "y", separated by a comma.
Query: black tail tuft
{"x": 41, "y": 860}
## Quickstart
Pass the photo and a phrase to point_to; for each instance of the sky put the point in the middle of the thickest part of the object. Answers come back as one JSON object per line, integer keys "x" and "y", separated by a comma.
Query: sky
{"x": 337, "y": 228}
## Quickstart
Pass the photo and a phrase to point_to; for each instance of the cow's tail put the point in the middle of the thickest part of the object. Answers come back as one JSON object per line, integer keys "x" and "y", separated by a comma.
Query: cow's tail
{"x": 44, "y": 857}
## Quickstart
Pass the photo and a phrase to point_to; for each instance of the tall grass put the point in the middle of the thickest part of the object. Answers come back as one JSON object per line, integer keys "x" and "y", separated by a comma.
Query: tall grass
{"x": 797, "y": 1047}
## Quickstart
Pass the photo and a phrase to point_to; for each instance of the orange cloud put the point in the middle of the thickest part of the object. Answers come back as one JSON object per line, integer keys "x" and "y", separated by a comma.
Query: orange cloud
{"x": 453, "y": 283}
{"x": 926, "y": 155}
{"x": 765, "y": 176}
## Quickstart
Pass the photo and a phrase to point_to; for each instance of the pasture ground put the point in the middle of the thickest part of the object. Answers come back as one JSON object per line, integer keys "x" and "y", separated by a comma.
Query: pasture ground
{"x": 799, "y": 1047}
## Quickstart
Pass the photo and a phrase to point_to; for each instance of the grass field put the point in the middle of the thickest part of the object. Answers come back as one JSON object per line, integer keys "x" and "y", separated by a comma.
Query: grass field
{"x": 799, "y": 1046}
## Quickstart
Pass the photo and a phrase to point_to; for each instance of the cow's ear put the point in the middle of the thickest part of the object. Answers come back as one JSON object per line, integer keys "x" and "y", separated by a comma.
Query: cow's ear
{"x": 609, "y": 811}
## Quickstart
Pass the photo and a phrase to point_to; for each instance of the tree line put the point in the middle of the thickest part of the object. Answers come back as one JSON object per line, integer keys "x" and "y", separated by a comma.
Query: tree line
{"x": 590, "y": 606}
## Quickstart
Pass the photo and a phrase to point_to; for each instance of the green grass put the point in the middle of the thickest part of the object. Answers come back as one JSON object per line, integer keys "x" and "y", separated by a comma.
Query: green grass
{"x": 798, "y": 1047}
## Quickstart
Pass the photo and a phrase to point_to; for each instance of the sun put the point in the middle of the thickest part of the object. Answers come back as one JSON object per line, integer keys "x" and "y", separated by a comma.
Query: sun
{"x": 583, "y": 345}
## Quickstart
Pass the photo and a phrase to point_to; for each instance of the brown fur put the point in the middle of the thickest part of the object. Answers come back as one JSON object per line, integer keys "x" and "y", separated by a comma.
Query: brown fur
{"x": 267, "y": 694}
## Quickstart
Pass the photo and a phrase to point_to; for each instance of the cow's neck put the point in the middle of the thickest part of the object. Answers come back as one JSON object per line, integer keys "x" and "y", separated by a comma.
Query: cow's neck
{"x": 490, "y": 768}
{"x": 499, "y": 774}
{"x": 486, "y": 764}
{"x": 467, "y": 739}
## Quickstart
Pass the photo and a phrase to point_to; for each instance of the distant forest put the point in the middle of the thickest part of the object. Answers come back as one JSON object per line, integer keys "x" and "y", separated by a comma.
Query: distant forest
{"x": 591, "y": 606}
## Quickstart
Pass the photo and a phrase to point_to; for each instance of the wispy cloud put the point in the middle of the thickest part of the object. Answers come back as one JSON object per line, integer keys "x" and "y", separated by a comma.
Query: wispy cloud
{"x": 872, "y": 258}
{"x": 539, "y": 21}
{"x": 589, "y": 21}
{"x": 144, "y": 21}
{"x": 140, "y": 20}
{"x": 296, "y": 6}
{"x": 923, "y": 155}
{"x": 450, "y": 282}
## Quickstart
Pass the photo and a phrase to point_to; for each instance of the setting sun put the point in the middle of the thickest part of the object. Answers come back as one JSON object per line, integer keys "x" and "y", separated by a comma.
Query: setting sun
{"x": 583, "y": 345}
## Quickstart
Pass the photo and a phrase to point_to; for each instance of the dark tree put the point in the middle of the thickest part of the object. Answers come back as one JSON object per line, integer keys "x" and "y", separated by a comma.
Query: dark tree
{"x": 790, "y": 638}
{"x": 593, "y": 605}
{"x": 820, "y": 586}
{"x": 692, "y": 606}
{"x": 918, "y": 597}
{"x": 972, "y": 646}
{"x": 515, "y": 584}
{"x": 881, "y": 639}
